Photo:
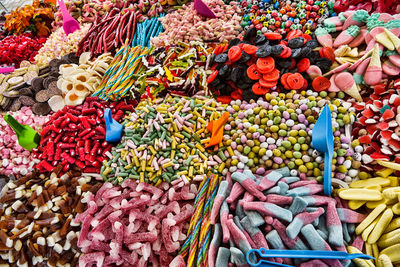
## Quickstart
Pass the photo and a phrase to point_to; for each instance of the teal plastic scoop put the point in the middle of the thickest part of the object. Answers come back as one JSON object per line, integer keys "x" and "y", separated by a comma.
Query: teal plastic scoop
{"x": 298, "y": 254}
{"x": 27, "y": 137}
{"x": 70, "y": 24}
{"x": 113, "y": 128}
{"x": 322, "y": 140}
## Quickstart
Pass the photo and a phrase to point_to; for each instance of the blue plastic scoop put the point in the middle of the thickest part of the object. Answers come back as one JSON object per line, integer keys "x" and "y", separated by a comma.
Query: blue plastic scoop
{"x": 322, "y": 140}
{"x": 299, "y": 254}
{"x": 113, "y": 128}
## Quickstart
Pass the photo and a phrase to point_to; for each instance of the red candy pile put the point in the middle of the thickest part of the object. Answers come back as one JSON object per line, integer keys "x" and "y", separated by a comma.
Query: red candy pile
{"x": 75, "y": 135}
{"x": 135, "y": 224}
{"x": 378, "y": 125}
{"x": 14, "y": 49}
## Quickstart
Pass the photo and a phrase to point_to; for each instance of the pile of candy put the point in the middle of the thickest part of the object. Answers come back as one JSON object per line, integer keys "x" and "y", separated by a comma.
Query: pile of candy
{"x": 75, "y": 136}
{"x": 135, "y": 223}
{"x": 15, "y": 159}
{"x": 16, "y": 48}
{"x": 37, "y": 218}
{"x": 59, "y": 44}
{"x": 277, "y": 132}
{"x": 27, "y": 87}
{"x": 163, "y": 141}
{"x": 283, "y": 16}
{"x": 187, "y": 25}
{"x": 277, "y": 211}
{"x": 262, "y": 62}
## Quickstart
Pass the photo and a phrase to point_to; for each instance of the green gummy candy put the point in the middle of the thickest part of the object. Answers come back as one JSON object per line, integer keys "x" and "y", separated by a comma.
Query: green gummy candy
{"x": 353, "y": 30}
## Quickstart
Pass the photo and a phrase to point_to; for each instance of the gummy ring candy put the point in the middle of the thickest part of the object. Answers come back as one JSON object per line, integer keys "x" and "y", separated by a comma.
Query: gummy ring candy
{"x": 267, "y": 84}
{"x": 321, "y": 84}
{"x": 271, "y": 76}
{"x": 295, "y": 81}
{"x": 284, "y": 80}
{"x": 234, "y": 53}
{"x": 259, "y": 90}
{"x": 237, "y": 94}
{"x": 253, "y": 73}
{"x": 265, "y": 64}
{"x": 250, "y": 49}
{"x": 287, "y": 52}
{"x": 272, "y": 36}
{"x": 303, "y": 65}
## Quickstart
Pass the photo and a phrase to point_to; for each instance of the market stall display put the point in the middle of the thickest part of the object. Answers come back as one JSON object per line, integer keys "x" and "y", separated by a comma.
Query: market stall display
{"x": 188, "y": 133}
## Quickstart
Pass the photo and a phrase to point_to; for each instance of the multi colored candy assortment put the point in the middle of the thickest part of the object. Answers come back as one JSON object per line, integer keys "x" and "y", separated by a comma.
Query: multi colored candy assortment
{"x": 187, "y": 25}
{"x": 283, "y": 16}
{"x": 190, "y": 133}
{"x": 264, "y": 62}
{"x": 15, "y": 159}
{"x": 163, "y": 141}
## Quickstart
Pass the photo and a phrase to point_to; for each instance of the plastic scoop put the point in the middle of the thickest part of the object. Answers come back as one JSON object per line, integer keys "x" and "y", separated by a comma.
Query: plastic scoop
{"x": 113, "y": 128}
{"x": 27, "y": 137}
{"x": 7, "y": 69}
{"x": 299, "y": 254}
{"x": 322, "y": 140}
{"x": 70, "y": 24}
{"x": 203, "y": 9}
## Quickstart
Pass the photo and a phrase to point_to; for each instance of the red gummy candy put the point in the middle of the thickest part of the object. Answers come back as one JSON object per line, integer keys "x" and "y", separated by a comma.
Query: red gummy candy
{"x": 388, "y": 114}
{"x": 366, "y": 139}
{"x": 368, "y": 113}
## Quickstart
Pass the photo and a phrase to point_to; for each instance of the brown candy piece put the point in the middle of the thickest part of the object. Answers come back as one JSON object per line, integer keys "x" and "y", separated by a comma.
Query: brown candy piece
{"x": 41, "y": 109}
{"x": 26, "y": 91}
{"x": 27, "y": 100}
{"x": 37, "y": 84}
{"x": 53, "y": 89}
{"x": 47, "y": 81}
{"x": 44, "y": 70}
{"x": 43, "y": 96}
{"x": 16, "y": 105}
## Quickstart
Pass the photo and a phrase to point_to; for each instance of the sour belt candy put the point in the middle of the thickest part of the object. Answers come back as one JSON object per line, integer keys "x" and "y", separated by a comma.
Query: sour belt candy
{"x": 163, "y": 142}
{"x": 277, "y": 211}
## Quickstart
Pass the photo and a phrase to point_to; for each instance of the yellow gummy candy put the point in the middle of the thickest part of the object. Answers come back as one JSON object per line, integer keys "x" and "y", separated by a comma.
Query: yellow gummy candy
{"x": 370, "y": 182}
{"x": 391, "y": 192}
{"x": 383, "y": 261}
{"x": 359, "y": 262}
{"x": 360, "y": 194}
{"x": 380, "y": 226}
{"x": 394, "y": 224}
{"x": 375, "y": 251}
{"x": 356, "y": 204}
{"x": 392, "y": 252}
{"x": 370, "y": 218}
{"x": 365, "y": 234}
{"x": 389, "y": 239}
{"x": 396, "y": 209}
{"x": 394, "y": 181}
{"x": 384, "y": 173}
{"x": 368, "y": 249}
{"x": 388, "y": 164}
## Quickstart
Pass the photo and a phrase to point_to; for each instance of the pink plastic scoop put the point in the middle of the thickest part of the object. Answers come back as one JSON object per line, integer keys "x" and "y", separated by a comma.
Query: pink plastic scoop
{"x": 203, "y": 9}
{"x": 70, "y": 24}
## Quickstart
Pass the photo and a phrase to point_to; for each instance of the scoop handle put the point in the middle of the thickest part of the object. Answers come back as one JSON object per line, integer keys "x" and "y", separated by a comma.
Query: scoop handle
{"x": 108, "y": 119}
{"x": 14, "y": 124}
{"x": 328, "y": 174}
{"x": 63, "y": 8}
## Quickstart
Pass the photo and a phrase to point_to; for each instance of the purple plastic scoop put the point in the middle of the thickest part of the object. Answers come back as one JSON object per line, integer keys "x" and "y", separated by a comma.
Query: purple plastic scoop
{"x": 203, "y": 9}
{"x": 70, "y": 24}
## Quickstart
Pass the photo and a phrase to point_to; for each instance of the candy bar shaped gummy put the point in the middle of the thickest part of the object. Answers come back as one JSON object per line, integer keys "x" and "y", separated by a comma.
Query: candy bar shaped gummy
{"x": 334, "y": 225}
{"x": 236, "y": 220}
{"x": 221, "y": 195}
{"x": 223, "y": 257}
{"x": 214, "y": 245}
{"x": 298, "y": 205}
{"x": 236, "y": 192}
{"x": 269, "y": 180}
{"x": 306, "y": 190}
{"x": 249, "y": 184}
{"x": 224, "y": 215}
{"x": 279, "y": 200}
{"x": 239, "y": 211}
{"x": 255, "y": 233}
{"x": 275, "y": 241}
{"x": 238, "y": 237}
{"x": 300, "y": 220}
{"x": 269, "y": 209}
{"x": 290, "y": 179}
{"x": 292, "y": 243}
